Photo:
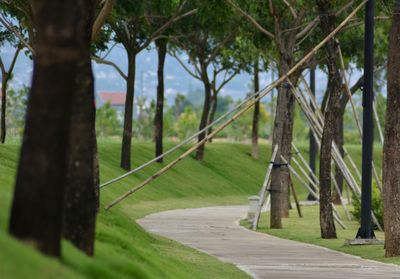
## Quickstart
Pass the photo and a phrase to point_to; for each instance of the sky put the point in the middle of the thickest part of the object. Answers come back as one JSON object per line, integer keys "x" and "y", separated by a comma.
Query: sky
{"x": 177, "y": 80}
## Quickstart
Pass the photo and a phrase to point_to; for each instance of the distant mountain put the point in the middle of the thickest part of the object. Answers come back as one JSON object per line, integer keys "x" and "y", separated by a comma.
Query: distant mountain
{"x": 177, "y": 80}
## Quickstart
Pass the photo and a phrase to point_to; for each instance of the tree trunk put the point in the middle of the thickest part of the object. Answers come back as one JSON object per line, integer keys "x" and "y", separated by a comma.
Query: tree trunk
{"x": 339, "y": 140}
{"x": 3, "y": 107}
{"x": 256, "y": 115}
{"x": 213, "y": 110}
{"x": 128, "y": 117}
{"x": 327, "y": 224}
{"x": 158, "y": 119}
{"x": 204, "y": 115}
{"x": 36, "y": 213}
{"x": 313, "y": 146}
{"x": 79, "y": 197}
{"x": 391, "y": 147}
{"x": 282, "y": 136}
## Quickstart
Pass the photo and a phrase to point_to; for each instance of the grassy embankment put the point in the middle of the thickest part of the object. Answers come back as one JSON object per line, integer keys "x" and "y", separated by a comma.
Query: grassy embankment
{"x": 123, "y": 250}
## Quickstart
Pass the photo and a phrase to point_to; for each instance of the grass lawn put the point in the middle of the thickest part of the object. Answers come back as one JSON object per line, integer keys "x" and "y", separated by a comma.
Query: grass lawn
{"x": 228, "y": 175}
{"x": 307, "y": 230}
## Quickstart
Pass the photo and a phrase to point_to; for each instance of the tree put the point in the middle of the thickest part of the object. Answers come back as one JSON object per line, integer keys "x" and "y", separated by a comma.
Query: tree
{"x": 135, "y": 32}
{"x": 328, "y": 18}
{"x": 159, "y": 115}
{"x": 36, "y": 214}
{"x": 391, "y": 150}
{"x": 204, "y": 38}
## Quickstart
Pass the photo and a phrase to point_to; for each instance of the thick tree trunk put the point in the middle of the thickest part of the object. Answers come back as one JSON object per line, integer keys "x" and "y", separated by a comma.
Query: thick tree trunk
{"x": 213, "y": 110}
{"x": 282, "y": 136}
{"x": 79, "y": 197}
{"x": 204, "y": 116}
{"x": 391, "y": 148}
{"x": 128, "y": 117}
{"x": 158, "y": 119}
{"x": 327, "y": 224}
{"x": 36, "y": 213}
{"x": 256, "y": 115}
{"x": 3, "y": 107}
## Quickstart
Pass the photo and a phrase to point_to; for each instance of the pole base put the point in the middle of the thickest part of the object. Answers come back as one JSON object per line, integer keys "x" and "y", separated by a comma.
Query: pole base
{"x": 365, "y": 233}
{"x": 363, "y": 241}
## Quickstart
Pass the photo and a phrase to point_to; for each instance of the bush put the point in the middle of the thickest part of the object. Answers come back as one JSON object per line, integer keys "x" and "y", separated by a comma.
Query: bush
{"x": 377, "y": 206}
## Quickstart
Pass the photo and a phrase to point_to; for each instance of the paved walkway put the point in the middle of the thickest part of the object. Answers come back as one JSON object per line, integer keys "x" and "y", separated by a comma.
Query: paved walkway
{"x": 216, "y": 231}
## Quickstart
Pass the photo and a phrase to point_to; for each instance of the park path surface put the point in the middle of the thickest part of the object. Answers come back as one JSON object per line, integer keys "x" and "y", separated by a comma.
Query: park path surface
{"x": 216, "y": 231}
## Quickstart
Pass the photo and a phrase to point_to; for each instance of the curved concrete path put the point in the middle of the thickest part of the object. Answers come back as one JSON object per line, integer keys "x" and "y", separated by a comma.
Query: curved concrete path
{"x": 216, "y": 231}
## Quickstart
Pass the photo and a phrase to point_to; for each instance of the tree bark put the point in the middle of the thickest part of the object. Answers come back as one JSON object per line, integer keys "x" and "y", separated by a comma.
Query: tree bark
{"x": 158, "y": 119}
{"x": 36, "y": 213}
{"x": 327, "y": 224}
{"x": 339, "y": 140}
{"x": 204, "y": 116}
{"x": 128, "y": 117}
{"x": 213, "y": 110}
{"x": 391, "y": 147}
{"x": 256, "y": 114}
{"x": 4, "y": 82}
{"x": 79, "y": 197}
{"x": 282, "y": 136}
{"x": 313, "y": 146}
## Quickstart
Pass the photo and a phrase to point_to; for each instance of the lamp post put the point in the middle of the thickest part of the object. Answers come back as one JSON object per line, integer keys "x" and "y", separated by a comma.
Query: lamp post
{"x": 365, "y": 231}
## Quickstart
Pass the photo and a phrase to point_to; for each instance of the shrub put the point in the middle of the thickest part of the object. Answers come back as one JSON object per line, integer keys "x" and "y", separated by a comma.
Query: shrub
{"x": 377, "y": 206}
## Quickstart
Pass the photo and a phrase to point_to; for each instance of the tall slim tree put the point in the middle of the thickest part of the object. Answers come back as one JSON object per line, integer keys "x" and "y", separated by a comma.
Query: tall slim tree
{"x": 256, "y": 114}
{"x": 328, "y": 18}
{"x": 36, "y": 214}
{"x": 204, "y": 38}
{"x": 284, "y": 18}
{"x": 391, "y": 148}
{"x": 159, "y": 115}
{"x": 133, "y": 27}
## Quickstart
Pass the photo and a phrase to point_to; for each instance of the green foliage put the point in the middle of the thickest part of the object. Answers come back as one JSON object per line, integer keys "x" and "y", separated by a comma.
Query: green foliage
{"x": 377, "y": 205}
{"x": 107, "y": 122}
{"x": 187, "y": 123}
{"x": 16, "y": 109}
{"x": 241, "y": 128}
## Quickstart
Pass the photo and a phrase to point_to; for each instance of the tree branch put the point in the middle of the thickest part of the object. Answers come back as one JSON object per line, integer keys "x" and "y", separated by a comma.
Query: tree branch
{"x": 10, "y": 27}
{"x": 251, "y": 19}
{"x": 165, "y": 26}
{"x": 101, "y": 18}
{"x": 184, "y": 66}
{"x": 99, "y": 60}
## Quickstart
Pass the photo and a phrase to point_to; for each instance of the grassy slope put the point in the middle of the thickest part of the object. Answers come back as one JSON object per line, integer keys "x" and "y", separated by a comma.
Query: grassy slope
{"x": 123, "y": 250}
{"x": 307, "y": 230}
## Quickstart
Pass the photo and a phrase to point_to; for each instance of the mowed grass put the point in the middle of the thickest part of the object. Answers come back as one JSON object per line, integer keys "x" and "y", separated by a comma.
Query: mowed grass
{"x": 228, "y": 175}
{"x": 307, "y": 230}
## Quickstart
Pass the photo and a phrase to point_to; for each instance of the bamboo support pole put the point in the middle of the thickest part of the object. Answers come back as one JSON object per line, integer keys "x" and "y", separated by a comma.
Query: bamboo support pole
{"x": 298, "y": 153}
{"x": 296, "y": 201}
{"x": 264, "y": 189}
{"x": 305, "y": 184}
{"x": 378, "y": 123}
{"x": 347, "y": 89}
{"x": 335, "y": 151}
{"x": 246, "y": 108}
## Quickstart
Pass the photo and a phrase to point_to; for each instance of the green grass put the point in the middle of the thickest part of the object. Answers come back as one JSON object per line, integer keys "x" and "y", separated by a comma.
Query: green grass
{"x": 307, "y": 230}
{"x": 228, "y": 175}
